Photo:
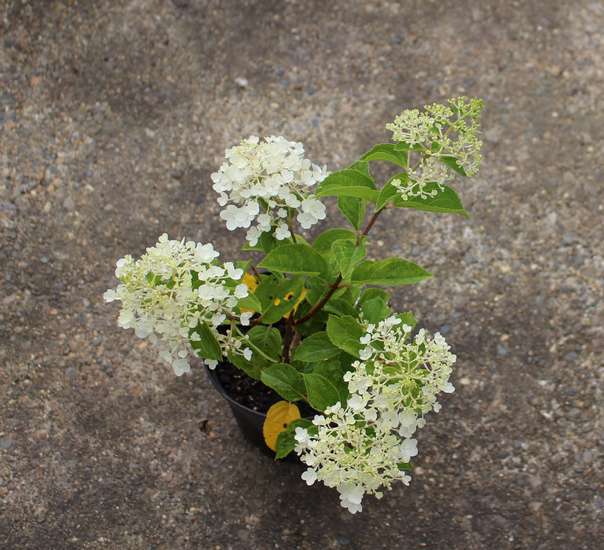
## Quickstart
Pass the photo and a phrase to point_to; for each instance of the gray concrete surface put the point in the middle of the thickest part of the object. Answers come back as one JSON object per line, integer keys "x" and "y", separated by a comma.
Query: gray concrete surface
{"x": 112, "y": 116}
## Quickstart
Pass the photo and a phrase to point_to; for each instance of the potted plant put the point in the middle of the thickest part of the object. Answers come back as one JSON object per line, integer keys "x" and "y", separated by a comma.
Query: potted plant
{"x": 301, "y": 337}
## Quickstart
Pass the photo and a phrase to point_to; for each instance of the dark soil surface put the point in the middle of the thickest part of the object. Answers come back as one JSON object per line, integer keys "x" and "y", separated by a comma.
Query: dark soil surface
{"x": 251, "y": 393}
{"x": 114, "y": 113}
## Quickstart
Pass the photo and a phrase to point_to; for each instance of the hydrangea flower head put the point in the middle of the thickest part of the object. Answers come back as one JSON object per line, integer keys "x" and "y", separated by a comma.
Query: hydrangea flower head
{"x": 363, "y": 447}
{"x": 173, "y": 288}
{"x": 439, "y": 132}
{"x": 261, "y": 181}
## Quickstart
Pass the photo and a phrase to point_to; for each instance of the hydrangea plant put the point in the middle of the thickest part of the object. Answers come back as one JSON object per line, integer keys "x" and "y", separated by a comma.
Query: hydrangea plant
{"x": 311, "y": 319}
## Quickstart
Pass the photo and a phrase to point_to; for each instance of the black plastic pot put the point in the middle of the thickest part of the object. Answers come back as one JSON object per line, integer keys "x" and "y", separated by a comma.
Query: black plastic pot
{"x": 250, "y": 422}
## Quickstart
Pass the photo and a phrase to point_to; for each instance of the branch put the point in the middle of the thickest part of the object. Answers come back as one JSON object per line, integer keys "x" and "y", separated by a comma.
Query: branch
{"x": 287, "y": 340}
{"x": 319, "y": 305}
{"x": 336, "y": 284}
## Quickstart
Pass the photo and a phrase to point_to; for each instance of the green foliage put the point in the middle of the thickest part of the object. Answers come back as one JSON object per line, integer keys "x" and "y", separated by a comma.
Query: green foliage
{"x": 297, "y": 259}
{"x": 375, "y": 310}
{"x": 286, "y": 441}
{"x": 389, "y": 193}
{"x": 334, "y": 270}
{"x": 265, "y": 244}
{"x": 324, "y": 241}
{"x": 373, "y": 303}
{"x": 278, "y": 296}
{"x": 348, "y": 183}
{"x": 251, "y": 301}
{"x": 345, "y": 333}
{"x": 317, "y": 347}
{"x": 285, "y": 380}
{"x": 207, "y": 347}
{"x": 347, "y": 254}
{"x": 353, "y": 210}
{"x": 370, "y": 293}
{"x": 390, "y": 272}
{"x": 394, "y": 153}
{"x": 361, "y": 166}
{"x": 266, "y": 339}
{"x": 317, "y": 287}
{"x": 323, "y": 392}
{"x": 266, "y": 345}
{"x": 452, "y": 163}
{"x": 446, "y": 200}
{"x": 340, "y": 306}
{"x": 252, "y": 368}
{"x": 333, "y": 370}
{"x": 408, "y": 318}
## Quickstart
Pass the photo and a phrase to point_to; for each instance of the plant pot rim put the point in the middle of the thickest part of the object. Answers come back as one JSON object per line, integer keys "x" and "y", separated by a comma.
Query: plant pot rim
{"x": 219, "y": 387}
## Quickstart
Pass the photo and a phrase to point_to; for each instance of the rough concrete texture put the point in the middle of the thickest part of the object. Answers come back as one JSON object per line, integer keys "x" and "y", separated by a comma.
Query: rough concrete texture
{"x": 112, "y": 116}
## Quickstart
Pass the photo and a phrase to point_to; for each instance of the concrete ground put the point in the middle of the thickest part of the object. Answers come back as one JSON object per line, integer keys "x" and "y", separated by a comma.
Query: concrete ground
{"x": 112, "y": 116}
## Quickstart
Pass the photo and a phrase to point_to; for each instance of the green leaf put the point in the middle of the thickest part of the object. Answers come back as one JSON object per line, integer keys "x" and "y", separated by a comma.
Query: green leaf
{"x": 370, "y": 293}
{"x": 340, "y": 307}
{"x": 278, "y": 296}
{"x": 252, "y": 368}
{"x": 408, "y": 318}
{"x": 321, "y": 392}
{"x": 333, "y": 370}
{"x": 266, "y": 345}
{"x": 388, "y": 152}
{"x": 347, "y": 255}
{"x": 266, "y": 243}
{"x": 317, "y": 347}
{"x": 267, "y": 340}
{"x": 453, "y": 163}
{"x": 285, "y": 380}
{"x": 348, "y": 183}
{"x": 286, "y": 441}
{"x": 317, "y": 287}
{"x": 390, "y": 272}
{"x": 361, "y": 166}
{"x": 375, "y": 310}
{"x": 299, "y": 259}
{"x": 207, "y": 347}
{"x": 374, "y": 304}
{"x": 446, "y": 201}
{"x": 353, "y": 210}
{"x": 250, "y": 302}
{"x": 324, "y": 241}
{"x": 345, "y": 333}
{"x": 389, "y": 193}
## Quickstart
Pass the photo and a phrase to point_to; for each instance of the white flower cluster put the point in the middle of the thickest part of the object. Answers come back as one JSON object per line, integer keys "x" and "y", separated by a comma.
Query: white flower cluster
{"x": 262, "y": 181}
{"x": 438, "y": 131}
{"x": 363, "y": 447}
{"x": 172, "y": 288}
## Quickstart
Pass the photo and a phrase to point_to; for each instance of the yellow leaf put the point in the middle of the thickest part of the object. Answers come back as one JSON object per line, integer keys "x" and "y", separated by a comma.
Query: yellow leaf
{"x": 278, "y": 418}
{"x": 250, "y": 281}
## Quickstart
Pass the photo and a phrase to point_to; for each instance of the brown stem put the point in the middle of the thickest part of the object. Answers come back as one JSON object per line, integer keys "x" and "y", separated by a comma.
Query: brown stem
{"x": 287, "y": 340}
{"x": 256, "y": 321}
{"x": 371, "y": 221}
{"x": 319, "y": 305}
{"x": 336, "y": 284}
